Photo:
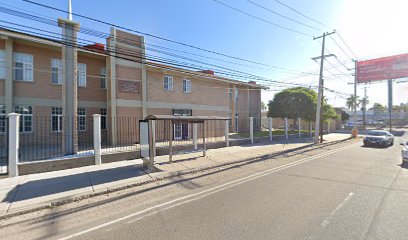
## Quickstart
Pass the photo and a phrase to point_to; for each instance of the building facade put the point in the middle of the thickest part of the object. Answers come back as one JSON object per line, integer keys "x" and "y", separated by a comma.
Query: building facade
{"x": 114, "y": 80}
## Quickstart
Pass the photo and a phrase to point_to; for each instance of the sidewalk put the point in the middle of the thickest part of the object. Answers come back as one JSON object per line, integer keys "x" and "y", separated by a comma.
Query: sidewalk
{"x": 37, "y": 191}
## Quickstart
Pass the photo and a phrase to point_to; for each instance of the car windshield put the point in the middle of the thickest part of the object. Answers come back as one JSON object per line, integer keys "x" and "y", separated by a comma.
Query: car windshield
{"x": 377, "y": 134}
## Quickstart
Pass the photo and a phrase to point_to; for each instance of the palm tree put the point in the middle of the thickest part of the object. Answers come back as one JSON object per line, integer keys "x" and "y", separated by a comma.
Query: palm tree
{"x": 353, "y": 102}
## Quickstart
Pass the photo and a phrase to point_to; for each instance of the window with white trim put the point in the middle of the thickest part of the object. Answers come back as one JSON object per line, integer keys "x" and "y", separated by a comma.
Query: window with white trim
{"x": 186, "y": 85}
{"x": 2, "y": 64}
{"x": 230, "y": 94}
{"x": 56, "y": 119}
{"x": 81, "y": 119}
{"x": 168, "y": 83}
{"x": 102, "y": 77}
{"x": 23, "y": 67}
{"x": 81, "y": 75}
{"x": 26, "y": 117}
{"x": 104, "y": 119}
{"x": 2, "y": 119}
{"x": 56, "y": 71}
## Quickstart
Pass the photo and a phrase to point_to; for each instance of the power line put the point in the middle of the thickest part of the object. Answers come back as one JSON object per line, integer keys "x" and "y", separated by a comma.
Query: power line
{"x": 149, "y": 35}
{"x": 344, "y": 42}
{"x": 105, "y": 35}
{"x": 298, "y": 12}
{"x": 258, "y": 18}
{"x": 281, "y": 15}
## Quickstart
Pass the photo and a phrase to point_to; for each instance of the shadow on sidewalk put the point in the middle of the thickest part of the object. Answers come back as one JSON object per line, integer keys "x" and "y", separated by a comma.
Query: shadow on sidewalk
{"x": 55, "y": 185}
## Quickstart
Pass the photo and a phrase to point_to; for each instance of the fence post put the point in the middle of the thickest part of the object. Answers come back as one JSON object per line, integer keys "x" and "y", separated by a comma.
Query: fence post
{"x": 97, "y": 138}
{"x": 13, "y": 138}
{"x": 195, "y": 131}
{"x": 300, "y": 127}
{"x": 251, "y": 129}
{"x": 226, "y": 133}
{"x": 286, "y": 127}
{"x": 270, "y": 128}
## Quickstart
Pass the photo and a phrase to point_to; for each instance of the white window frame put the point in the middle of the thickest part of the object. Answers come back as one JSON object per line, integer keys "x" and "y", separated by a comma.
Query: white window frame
{"x": 168, "y": 83}
{"x": 56, "y": 68}
{"x": 25, "y": 115}
{"x": 56, "y": 112}
{"x": 3, "y": 119}
{"x": 230, "y": 94}
{"x": 81, "y": 114}
{"x": 3, "y": 64}
{"x": 104, "y": 117}
{"x": 81, "y": 74}
{"x": 27, "y": 62}
{"x": 102, "y": 77}
{"x": 186, "y": 85}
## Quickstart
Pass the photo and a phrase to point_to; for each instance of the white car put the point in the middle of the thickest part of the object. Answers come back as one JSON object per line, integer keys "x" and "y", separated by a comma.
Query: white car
{"x": 404, "y": 152}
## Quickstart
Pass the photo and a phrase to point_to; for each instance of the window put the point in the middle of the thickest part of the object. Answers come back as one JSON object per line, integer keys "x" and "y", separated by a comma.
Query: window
{"x": 182, "y": 112}
{"x": 102, "y": 76}
{"x": 26, "y": 118}
{"x": 56, "y": 119}
{"x": 81, "y": 119}
{"x": 186, "y": 85}
{"x": 2, "y": 119}
{"x": 236, "y": 94}
{"x": 81, "y": 75}
{"x": 104, "y": 119}
{"x": 23, "y": 67}
{"x": 56, "y": 71}
{"x": 2, "y": 64}
{"x": 230, "y": 93}
{"x": 168, "y": 83}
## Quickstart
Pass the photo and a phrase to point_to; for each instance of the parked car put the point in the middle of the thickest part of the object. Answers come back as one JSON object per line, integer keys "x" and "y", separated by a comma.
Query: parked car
{"x": 379, "y": 138}
{"x": 404, "y": 152}
{"x": 349, "y": 125}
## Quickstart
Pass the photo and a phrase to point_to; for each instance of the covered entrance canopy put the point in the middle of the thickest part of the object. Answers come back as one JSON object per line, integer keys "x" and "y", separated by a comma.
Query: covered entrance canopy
{"x": 166, "y": 130}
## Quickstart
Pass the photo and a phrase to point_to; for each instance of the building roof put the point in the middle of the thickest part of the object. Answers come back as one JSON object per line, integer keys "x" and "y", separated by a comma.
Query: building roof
{"x": 57, "y": 43}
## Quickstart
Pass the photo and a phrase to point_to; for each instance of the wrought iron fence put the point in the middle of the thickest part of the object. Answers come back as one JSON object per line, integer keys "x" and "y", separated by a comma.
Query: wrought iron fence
{"x": 120, "y": 134}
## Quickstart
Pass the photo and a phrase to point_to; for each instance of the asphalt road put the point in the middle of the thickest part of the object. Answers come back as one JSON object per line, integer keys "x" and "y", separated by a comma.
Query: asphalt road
{"x": 343, "y": 191}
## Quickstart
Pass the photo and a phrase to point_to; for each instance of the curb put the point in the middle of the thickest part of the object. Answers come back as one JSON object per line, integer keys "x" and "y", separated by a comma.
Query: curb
{"x": 79, "y": 196}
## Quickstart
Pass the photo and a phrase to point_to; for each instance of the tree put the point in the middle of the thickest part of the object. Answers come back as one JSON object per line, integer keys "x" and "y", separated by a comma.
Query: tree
{"x": 344, "y": 116}
{"x": 353, "y": 101}
{"x": 293, "y": 103}
{"x": 329, "y": 113}
{"x": 379, "y": 109}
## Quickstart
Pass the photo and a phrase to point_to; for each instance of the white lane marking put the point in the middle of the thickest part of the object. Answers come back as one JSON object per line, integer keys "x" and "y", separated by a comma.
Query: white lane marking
{"x": 206, "y": 192}
{"x": 331, "y": 215}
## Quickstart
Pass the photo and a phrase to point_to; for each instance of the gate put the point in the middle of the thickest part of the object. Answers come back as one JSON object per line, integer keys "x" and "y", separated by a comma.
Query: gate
{"x": 3, "y": 145}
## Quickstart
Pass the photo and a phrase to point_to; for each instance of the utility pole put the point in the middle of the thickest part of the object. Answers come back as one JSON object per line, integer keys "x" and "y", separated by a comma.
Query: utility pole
{"x": 364, "y": 104}
{"x": 319, "y": 115}
{"x": 390, "y": 101}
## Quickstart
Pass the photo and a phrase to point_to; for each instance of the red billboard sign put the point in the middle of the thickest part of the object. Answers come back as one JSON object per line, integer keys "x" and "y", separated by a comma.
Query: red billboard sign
{"x": 382, "y": 68}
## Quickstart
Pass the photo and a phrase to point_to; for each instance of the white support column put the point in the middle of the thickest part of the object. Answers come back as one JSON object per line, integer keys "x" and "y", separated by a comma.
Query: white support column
{"x": 13, "y": 147}
{"x": 97, "y": 138}
{"x": 195, "y": 135}
{"x": 226, "y": 133}
{"x": 270, "y": 128}
{"x": 286, "y": 128}
{"x": 300, "y": 127}
{"x": 251, "y": 129}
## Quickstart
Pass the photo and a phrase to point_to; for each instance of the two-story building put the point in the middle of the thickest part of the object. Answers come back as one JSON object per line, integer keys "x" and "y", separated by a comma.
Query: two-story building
{"x": 123, "y": 84}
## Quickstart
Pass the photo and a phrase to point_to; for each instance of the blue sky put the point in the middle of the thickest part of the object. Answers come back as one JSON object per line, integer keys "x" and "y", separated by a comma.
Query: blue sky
{"x": 371, "y": 28}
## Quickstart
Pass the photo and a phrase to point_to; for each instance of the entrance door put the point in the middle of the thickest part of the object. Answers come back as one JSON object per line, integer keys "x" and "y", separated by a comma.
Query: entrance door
{"x": 180, "y": 131}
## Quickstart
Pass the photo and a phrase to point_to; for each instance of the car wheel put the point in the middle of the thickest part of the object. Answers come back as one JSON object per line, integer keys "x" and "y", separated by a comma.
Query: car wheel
{"x": 392, "y": 143}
